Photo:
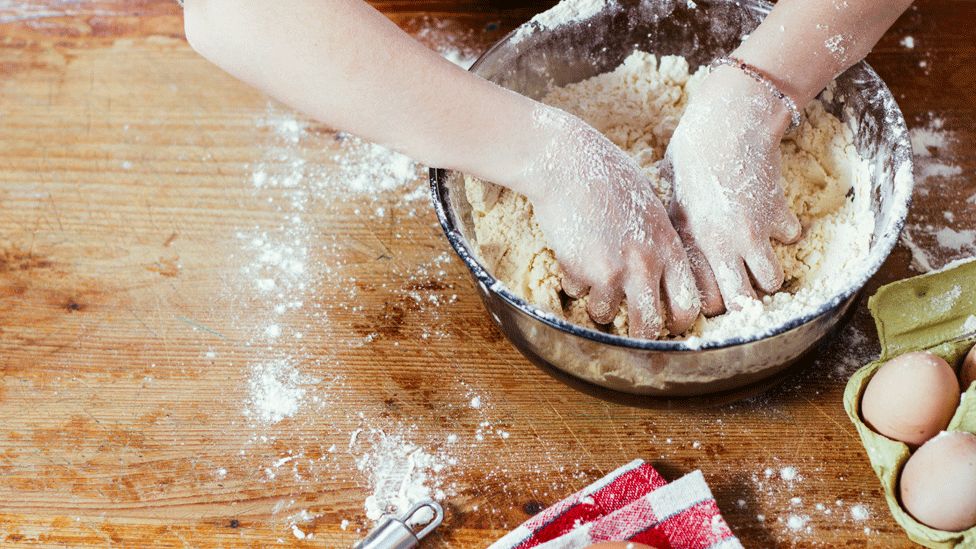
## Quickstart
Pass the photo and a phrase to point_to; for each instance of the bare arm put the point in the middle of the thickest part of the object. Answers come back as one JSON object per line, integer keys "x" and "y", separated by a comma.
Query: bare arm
{"x": 804, "y": 44}
{"x": 344, "y": 63}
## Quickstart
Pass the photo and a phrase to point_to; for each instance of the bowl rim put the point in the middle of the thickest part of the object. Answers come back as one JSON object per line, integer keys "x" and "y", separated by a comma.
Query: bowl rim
{"x": 491, "y": 285}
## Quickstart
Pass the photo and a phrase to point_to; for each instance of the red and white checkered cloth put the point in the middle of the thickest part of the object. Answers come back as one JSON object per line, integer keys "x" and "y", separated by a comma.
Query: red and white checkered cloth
{"x": 633, "y": 503}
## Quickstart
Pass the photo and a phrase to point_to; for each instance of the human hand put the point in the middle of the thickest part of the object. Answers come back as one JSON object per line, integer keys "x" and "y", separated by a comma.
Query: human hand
{"x": 609, "y": 231}
{"x": 724, "y": 164}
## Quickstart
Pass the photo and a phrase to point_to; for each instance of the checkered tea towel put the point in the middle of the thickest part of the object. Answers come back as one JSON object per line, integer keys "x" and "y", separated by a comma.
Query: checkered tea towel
{"x": 633, "y": 503}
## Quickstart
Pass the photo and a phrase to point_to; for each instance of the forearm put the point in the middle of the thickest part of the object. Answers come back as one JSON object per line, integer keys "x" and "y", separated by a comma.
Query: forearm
{"x": 344, "y": 63}
{"x": 804, "y": 44}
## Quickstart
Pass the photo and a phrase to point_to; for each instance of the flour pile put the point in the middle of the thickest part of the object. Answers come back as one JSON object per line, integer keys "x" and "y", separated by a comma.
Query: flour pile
{"x": 637, "y": 106}
{"x": 276, "y": 390}
{"x": 936, "y": 238}
{"x": 401, "y": 474}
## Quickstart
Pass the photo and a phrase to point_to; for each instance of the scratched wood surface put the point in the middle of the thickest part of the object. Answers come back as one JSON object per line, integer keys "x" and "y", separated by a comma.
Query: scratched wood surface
{"x": 135, "y": 311}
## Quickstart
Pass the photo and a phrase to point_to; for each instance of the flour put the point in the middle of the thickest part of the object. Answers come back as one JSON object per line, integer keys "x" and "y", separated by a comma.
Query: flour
{"x": 275, "y": 269}
{"x": 275, "y": 390}
{"x": 365, "y": 167}
{"x": 859, "y": 512}
{"x": 563, "y": 13}
{"x": 797, "y": 522}
{"x": 789, "y": 473}
{"x": 301, "y": 517}
{"x": 637, "y": 106}
{"x": 956, "y": 240}
{"x": 931, "y": 170}
{"x": 401, "y": 474}
{"x": 835, "y": 45}
{"x": 943, "y": 303}
{"x": 969, "y": 327}
{"x": 303, "y": 180}
{"x": 926, "y": 139}
{"x": 298, "y": 533}
{"x": 932, "y": 244}
{"x": 775, "y": 488}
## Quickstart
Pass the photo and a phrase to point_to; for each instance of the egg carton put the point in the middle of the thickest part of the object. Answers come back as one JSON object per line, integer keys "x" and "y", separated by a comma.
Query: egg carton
{"x": 917, "y": 314}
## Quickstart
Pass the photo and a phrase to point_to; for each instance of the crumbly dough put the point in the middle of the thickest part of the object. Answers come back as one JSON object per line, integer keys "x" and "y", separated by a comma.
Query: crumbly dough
{"x": 638, "y": 106}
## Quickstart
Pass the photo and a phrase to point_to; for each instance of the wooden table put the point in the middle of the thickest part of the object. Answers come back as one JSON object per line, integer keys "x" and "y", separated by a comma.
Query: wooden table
{"x": 145, "y": 282}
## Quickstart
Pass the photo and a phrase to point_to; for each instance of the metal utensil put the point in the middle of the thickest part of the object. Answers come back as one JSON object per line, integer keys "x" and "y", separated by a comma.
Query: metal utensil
{"x": 394, "y": 532}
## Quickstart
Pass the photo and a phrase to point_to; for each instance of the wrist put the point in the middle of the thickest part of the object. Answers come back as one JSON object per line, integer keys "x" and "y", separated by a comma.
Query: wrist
{"x": 800, "y": 85}
{"x": 534, "y": 146}
{"x": 734, "y": 89}
{"x": 505, "y": 146}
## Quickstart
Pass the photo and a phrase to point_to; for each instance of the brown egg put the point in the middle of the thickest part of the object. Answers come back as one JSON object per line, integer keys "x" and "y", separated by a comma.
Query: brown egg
{"x": 911, "y": 398}
{"x": 619, "y": 545}
{"x": 938, "y": 484}
{"x": 968, "y": 371}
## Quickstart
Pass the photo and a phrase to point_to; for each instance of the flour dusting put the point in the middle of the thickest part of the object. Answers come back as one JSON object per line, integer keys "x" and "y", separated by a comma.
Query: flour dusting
{"x": 276, "y": 389}
{"x": 936, "y": 241}
{"x": 401, "y": 474}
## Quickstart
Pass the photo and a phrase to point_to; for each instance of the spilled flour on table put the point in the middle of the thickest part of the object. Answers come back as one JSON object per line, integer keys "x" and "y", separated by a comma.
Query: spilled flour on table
{"x": 402, "y": 474}
{"x": 296, "y": 520}
{"x": 276, "y": 273}
{"x": 936, "y": 238}
{"x": 276, "y": 389}
{"x": 848, "y": 351}
{"x": 368, "y": 168}
{"x": 291, "y": 350}
{"x": 797, "y": 517}
{"x": 932, "y": 156}
{"x": 285, "y": 328}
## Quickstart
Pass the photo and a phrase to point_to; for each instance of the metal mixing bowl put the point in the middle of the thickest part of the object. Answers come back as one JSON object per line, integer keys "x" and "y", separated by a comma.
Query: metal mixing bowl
{"x": 534, "y": 63}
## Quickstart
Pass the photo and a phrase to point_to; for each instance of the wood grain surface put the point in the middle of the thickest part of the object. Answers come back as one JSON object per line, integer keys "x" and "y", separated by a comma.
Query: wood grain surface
{"x": 139, "y": 306}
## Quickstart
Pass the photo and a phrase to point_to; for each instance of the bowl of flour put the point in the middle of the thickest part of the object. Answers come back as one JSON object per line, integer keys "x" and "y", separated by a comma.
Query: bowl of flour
{"x": 629, "y": 70}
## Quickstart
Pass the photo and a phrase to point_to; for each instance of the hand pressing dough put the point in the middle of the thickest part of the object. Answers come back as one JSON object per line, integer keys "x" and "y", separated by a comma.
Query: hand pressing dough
{"x": 637, "y": 106}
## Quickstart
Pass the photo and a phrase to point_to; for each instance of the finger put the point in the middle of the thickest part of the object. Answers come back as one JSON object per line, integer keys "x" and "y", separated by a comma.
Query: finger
{"x": 644, "y": 308}
{"x": 732, "y": 279}
{"x": 708, "y": 290}
{"x": 574, "y": 286}
{"x": 681, "y": 294}
{"x": 788, "y": 229}
{"x": 765, "y": 268}
{"x": 604, "y": 302}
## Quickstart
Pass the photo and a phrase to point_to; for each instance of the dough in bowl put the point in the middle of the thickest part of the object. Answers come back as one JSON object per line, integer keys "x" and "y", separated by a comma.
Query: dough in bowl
{"x": 638, "y": 106}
